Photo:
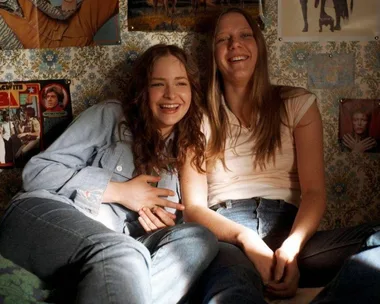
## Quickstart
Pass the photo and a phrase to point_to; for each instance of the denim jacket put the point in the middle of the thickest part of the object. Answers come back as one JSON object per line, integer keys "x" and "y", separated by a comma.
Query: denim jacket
{"x": 78, "y": 166}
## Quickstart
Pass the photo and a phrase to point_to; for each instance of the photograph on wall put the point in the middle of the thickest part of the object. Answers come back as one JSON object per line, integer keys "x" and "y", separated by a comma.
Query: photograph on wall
{"x": 359, "y": 125}
{"x": 32, "y": 115}
{"x": 329, "y": 71}
{"x": 183, "y": 15}
{"x": 30, "y": 24}
{"x": 329, "y": 20}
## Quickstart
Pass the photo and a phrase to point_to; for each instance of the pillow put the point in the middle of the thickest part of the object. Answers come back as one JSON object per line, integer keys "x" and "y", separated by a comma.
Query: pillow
{"x": 19, "y": 286}
{"x": 11, "y": 6}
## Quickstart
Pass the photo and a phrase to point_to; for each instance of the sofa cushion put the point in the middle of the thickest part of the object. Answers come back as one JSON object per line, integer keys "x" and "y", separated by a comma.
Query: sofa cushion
{"x": 18, "y": 286}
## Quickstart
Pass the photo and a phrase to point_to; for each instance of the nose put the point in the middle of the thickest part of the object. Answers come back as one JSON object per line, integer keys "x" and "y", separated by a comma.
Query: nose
{"x": 169, "y": 92}
{"x": 234, "y": 42}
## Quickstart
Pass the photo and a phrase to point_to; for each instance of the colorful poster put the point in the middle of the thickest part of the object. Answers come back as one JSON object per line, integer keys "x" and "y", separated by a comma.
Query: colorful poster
{"x": 33, "y": 115}
{"x": 29, "y": 24}
{"x": 328, "y": 20}
{"x": 182, "y": 15}
{"x": 328, "y": 71}
{"x": 359, "y": 125}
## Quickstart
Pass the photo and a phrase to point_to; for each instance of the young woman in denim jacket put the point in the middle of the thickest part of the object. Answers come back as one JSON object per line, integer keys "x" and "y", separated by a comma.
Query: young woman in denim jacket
{"x": 101, "y": 172}
{"x": 264, "y": 187}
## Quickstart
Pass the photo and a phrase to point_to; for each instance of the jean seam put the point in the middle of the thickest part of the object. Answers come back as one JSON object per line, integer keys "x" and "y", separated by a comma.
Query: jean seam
{"x": 157, "y": 252}
{"x": 330, "y": 249}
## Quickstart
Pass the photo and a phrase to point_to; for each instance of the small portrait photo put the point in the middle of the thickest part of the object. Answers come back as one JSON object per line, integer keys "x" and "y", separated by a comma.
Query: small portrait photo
{"x": 54, "y": 99}
{"x": 359, "y": 125}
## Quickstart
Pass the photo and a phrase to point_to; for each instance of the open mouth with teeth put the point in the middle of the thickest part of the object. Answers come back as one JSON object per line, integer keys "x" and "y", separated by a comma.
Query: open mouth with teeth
{"x": 238, "y": 58}
{"x": 169, "y": 107}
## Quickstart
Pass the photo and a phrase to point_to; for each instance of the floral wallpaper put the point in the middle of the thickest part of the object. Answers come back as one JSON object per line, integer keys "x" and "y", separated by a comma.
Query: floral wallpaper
{"x": 353, "y": 180}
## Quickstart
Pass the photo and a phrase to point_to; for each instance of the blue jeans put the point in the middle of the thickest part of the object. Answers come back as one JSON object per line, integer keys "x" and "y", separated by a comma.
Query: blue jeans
{"x": 357, "y": 282}
{"x": 230, "y": 278}
{"x": 94, "y": 264}
{"x": 322, "y": 256}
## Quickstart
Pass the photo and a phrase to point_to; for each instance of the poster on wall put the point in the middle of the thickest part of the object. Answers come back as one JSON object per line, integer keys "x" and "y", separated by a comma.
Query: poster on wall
{"x": 359, "y": 125}
{"x": 183, "y": 15}
{"x": 32, "y": 115}
{"x": 30, "y": 24}
{"x": 328, "y": 20}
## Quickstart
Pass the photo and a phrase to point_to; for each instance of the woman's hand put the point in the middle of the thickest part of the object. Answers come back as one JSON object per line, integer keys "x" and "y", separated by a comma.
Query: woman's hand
{"x": 138, "y": 193}
{"x": 361, "y": 146}
{"x": 69, "y": 5}
{"x": 155, "y": 219}
{"x": 286, "y": 273}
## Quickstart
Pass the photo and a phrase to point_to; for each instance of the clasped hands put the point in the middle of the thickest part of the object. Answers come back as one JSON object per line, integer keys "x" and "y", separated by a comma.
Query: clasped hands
{"x": 138, "y": 195}
{"x": 278, "y": 270}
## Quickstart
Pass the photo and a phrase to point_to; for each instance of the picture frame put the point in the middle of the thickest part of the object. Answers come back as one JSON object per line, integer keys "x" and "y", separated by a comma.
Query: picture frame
{"x": 328, "y": 20}
{"x": 183, "y": 15}
{"x": 359, "y": 125}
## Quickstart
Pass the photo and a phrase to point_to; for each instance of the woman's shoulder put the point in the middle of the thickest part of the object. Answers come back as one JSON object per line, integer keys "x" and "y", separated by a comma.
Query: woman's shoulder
{"x": 289, "y": 92}
{"x": 109, "y": 107}
{"x": 297, "y": 101}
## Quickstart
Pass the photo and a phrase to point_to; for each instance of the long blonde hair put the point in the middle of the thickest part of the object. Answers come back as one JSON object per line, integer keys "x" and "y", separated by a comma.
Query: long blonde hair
{"x": 267, "y": 107}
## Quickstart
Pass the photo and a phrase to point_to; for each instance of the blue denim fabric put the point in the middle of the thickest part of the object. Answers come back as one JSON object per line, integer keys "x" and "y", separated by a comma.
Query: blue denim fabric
{"x": 271, "y": 219}
{"x": 357, "y": 282}
{"x": 322, "y": 256}
{"x": 90, "y": 263}
{"x": 231, "y": 278}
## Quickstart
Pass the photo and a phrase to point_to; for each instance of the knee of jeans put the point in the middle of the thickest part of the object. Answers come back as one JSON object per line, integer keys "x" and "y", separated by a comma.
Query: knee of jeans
{"x": 117, "y": 244}
{"x": 193, "y": 235}
{"x": 374, "y": 239}
{"x": 199, "y": 232}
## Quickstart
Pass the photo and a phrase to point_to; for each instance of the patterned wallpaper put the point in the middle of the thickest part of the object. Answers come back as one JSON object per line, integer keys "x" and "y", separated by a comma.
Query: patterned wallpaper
{"x": 353, "y": 180}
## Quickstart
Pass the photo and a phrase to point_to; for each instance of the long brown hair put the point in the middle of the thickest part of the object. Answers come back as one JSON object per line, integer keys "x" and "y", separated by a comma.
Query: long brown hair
{"x": 267, "y": 107}
{"x": 148, "y": 145}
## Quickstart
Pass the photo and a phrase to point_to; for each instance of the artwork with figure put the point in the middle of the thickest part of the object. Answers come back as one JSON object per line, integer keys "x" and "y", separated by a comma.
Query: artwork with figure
{"x": 28, "y": 24}
{"x": 359, "y": 125}
{"x": 328, "y": 20}
{"x": 182, "y": 15}
{"x": 32, "y": 115}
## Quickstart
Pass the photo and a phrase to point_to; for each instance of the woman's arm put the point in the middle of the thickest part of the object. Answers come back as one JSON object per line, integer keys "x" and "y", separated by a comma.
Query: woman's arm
{"x": 194, "y": 197}
{"x": 309, "y": 149}
{"x": 64, "y": 168}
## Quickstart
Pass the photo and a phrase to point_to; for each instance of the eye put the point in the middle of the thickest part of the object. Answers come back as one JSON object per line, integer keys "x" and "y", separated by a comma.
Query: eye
{"x": 221, "y": 39}
{"x": 246, "y": 35}
{"x": 156, "y": 84}
{"x": 182, "y": 83}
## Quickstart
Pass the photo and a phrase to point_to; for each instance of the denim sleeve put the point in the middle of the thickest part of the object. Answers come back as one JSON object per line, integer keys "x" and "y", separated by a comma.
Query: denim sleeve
{"x": 65, "y": 167}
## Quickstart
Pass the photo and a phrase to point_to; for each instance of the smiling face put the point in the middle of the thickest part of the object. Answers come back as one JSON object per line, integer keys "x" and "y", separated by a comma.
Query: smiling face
{"x": 235, "y": 49}
{"x": 359, "y": 123}
{"x": 169, "y": 92}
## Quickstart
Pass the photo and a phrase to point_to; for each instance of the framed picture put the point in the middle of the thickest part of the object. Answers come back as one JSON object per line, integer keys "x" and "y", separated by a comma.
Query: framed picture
{"x": 182, "y": 15}
{"x": 329, "y": 20}
{"x": 26, "y": 24}
{"x": 32, "y": 115}
{"x": 329, "y": 71}
{"x": 359, "y": 125}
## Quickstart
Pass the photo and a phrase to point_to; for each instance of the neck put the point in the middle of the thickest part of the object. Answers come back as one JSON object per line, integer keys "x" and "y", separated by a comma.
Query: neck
{"x": 165, "y": 132}
{"x": 237, "y": 99}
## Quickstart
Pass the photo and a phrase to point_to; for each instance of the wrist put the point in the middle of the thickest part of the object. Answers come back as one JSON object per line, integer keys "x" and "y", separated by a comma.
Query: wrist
{"x": 111, "y": 194}
{"x": 292, "y": 246}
